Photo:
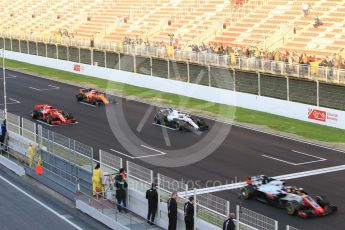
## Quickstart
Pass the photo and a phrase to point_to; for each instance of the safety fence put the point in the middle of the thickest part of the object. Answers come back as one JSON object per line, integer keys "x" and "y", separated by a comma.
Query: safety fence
{"x": 308, "y": 84}
{"x": 255, "y": 220}
{"x": 66, "y": 148}
{"x": 59, "y": 149}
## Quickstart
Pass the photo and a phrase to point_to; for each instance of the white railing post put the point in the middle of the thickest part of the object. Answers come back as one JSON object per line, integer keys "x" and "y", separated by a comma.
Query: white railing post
{"x": 195, "y": 209}
{"x": 151, "y": 176}
{"x": 121, "y": 163}
{"x": 317, "y": 93}
{"x": 227, "y": 208}
{"x": 276, "y": 225}
{"x": 237, "y": 217}
{"x": 186, "y": 192}
{"x": 100, "y": 157}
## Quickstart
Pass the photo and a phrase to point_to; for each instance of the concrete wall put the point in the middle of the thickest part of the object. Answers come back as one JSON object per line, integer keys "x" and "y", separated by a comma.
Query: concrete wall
{"x": 314, "y": 114}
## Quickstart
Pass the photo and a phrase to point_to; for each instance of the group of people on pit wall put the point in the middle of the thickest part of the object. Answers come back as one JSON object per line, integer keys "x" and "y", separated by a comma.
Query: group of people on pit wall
{"x": 121, "y": 186}
{"x": 188, "y": 208}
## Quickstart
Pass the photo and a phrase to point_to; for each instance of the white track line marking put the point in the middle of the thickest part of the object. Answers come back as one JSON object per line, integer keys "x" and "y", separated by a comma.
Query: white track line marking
{"x": 309, "y": 155}
{"x": 296, "y": 164}
{"x": 277, "y": 159}
{"x": 88, "y": 104}
{"x": 164, "y": 126}
{"x": 126, "y": 155}
{"x": 9, "y": 76}
{"x": 42, "y": 204}
{"x": 281, "y": 177}
{"x": 11, "y": 103}
{"x": 160, "y": 153}
{"x": 52, "y": 87}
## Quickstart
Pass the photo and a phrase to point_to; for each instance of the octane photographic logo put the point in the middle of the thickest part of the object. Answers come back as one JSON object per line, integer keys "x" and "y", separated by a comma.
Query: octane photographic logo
{"x": 158, "y": 145}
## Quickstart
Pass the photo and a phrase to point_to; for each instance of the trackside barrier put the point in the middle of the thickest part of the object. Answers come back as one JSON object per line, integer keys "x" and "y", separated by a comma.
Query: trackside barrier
{"x": 66, "y": 148}
{"x": 251, "y": 219}
{"x": 110, "y": 160}
{"x": 212, "y": 209}
{"x": 13, "y": 123}
{"x": 29, "y": 130}
{"x": 139, "y": 178}
{"x": 2, "y": 114}
{"x": 288, "y": 227}
{"x": 168, "y": 185}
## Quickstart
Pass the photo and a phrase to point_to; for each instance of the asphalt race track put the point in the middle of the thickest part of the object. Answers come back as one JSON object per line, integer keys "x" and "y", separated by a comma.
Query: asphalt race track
{"x": 221, "y": 155}
{"x": 37, "y": 209}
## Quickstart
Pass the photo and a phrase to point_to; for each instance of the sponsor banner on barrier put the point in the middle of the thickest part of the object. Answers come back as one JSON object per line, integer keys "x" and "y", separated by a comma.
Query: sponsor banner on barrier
{"x": 322, "y": 115}
{"x": 78, "y": 68}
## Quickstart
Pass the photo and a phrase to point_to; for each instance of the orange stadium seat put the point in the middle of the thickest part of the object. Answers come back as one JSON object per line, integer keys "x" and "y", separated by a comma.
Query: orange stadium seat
{"x": 235, "y": 23}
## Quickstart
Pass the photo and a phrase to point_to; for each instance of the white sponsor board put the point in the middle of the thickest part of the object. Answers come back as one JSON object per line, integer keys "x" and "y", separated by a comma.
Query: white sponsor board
{"x": 314, "y": 114}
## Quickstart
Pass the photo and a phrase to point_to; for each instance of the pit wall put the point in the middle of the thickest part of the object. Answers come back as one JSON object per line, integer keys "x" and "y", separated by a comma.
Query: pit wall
{"x": 299, "y": 111}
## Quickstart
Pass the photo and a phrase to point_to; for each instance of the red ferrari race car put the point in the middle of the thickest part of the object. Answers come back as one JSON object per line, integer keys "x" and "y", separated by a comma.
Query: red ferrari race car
{"x": 294, "y": 200}
{"x": 51, "y": 115}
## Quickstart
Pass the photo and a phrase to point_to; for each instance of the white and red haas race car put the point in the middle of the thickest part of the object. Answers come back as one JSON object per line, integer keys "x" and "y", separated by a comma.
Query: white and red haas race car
{"x": 294, "y": 200}
{"x": 51, "y": 115}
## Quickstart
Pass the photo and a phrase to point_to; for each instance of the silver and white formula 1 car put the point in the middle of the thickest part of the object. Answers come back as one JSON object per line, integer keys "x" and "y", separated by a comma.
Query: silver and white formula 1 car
{"x": 294, "y": 200}
{"x": 179, "y": 121}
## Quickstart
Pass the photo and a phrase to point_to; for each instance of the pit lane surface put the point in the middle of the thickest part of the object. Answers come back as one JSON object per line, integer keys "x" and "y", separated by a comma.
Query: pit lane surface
{"x": 20, "y": 211}
{"x": 243, "y": 152}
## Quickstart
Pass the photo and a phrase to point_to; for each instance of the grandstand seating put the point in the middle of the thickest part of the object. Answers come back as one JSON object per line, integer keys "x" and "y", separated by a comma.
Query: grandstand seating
{"x": 191, "y": 21}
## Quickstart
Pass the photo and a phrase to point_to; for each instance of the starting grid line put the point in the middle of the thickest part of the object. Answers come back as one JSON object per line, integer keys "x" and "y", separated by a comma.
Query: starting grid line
{"x": 160, "y": 153}
{"x": 11, "y": 101}
{"x": 52, "y": 87}
{"x": 296, "y": 164}
{"x": 281, "y": 177}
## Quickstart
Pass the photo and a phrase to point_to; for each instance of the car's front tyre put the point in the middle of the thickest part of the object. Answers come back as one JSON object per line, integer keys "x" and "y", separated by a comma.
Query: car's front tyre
{"x": 247, "y": 192}
{"x": 292, "y": 207}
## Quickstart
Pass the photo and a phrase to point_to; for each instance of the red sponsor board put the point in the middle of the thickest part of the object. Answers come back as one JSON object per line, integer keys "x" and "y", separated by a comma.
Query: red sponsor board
{"x": 76, "y": 68}
{"x": 316, "y": 114}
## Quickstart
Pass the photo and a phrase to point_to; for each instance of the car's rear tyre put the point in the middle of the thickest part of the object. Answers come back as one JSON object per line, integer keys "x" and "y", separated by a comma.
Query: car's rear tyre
{"x": 35, "y": 114}
{"x": 247, "y": 192}
{"x": 156, "y": 120}
{"x": 178, "y": 126}
{"x": 50, "y": 119}
{"x": 292, "y": 207}
{"x": 79, "y": 97}
{"x": 94, "y": 102}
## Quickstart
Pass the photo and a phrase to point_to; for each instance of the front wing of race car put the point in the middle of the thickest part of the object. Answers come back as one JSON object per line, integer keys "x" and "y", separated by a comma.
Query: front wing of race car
{"x": 327, "y": 210}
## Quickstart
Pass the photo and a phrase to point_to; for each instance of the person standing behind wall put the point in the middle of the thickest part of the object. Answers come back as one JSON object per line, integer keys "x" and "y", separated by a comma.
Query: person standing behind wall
{"x": 97, "y": 186}
{"x": 121, "y": 187}
{"x": 3, "y": 134}
{"x": 189, "y": 214}
{"x": 229, "y": 223}
{"x": 152, "y": 200}
{"x": 31, "y": 155}
{"x": 172, "y": 211}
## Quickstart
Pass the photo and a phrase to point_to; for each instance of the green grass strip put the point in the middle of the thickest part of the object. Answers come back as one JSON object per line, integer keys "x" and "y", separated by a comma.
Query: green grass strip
{"x": 221, "y": 111}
